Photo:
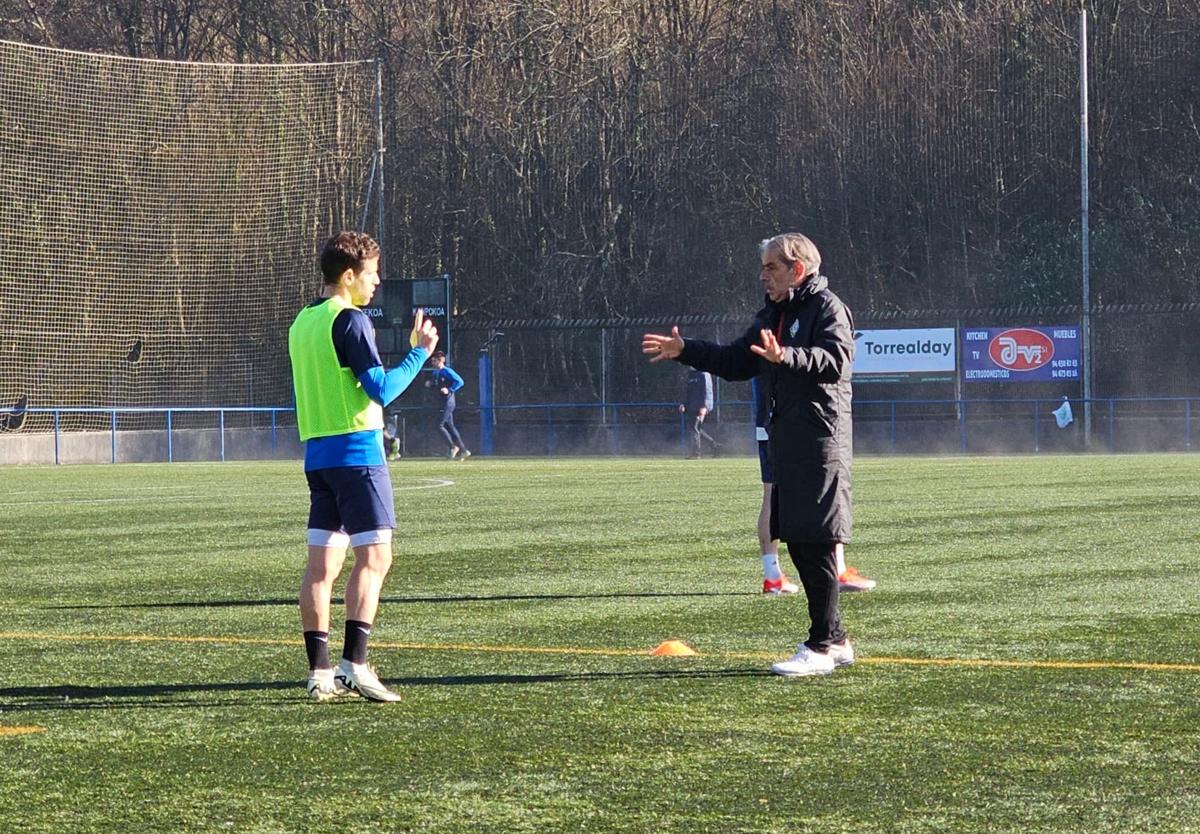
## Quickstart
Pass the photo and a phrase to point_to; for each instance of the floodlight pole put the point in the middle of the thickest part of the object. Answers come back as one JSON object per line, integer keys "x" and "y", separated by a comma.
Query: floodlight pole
{"x": 1085, "y": 255}
{"x": 379, "y": 150}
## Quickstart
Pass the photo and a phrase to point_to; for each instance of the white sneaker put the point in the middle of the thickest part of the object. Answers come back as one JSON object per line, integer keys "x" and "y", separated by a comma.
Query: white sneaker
{"x": 361, "y": 678}
{"x": 842, "y": 653}
{"x": 804, "y": 662}
{"x": 323, "y": 686}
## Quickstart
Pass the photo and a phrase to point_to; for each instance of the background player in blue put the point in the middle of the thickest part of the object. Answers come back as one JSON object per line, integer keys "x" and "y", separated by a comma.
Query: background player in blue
{"x": 697, "y": 402}
{"x": 341, "y": 388}
{"x": 447, "y": 382}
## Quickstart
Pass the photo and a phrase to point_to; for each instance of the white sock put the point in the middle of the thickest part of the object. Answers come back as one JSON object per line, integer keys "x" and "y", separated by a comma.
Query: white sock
{"x": 841, "y": 559}
{"x": 771, "y": 566}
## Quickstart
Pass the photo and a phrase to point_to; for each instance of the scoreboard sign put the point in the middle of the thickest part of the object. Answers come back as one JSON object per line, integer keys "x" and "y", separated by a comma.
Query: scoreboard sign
{"x": 1021, "y": 354}
{"x": 395, "y": 304}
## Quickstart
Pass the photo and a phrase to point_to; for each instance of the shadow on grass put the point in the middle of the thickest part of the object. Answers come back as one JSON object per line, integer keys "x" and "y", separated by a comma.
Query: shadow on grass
{"x": 77, "y": 697}
{"x": 254, "y": 603}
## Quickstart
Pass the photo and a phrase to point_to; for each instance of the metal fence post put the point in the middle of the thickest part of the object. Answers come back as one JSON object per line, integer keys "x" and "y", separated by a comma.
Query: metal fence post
{"x": 486, "y": 405}
{"x": 962, "y": 425}
{"x": 1187, "y": 424}
{"x": 1112, "y": 441}
{"x": 1037, "y": 427}
{"x": 893, "y": 427}
{"x": 603, "y": 375}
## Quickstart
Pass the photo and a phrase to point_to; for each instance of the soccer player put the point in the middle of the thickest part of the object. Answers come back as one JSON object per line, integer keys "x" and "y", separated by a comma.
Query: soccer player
{"x": 391, "y": 436}
{"x": 341, "y": 388}
{"x": 697, "y": 403}
{"x": 801, "y": 347}
{"x": 447, "y": 381}
{"x": 775, "y": 582}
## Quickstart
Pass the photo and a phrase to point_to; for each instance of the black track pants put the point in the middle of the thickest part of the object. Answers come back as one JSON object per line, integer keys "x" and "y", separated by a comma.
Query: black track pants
{"x": 816, "y": 563}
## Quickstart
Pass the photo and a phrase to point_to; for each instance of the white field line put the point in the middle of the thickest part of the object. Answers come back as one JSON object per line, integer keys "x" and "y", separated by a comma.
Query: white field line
{"x": 431, "y": 483}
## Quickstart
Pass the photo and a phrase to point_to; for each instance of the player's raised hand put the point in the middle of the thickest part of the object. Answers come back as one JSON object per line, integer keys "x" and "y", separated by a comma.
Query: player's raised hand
{"x": 423, "y": 334}
{"x": 418, "y": 323}
{"x": 659, "y": 347}
{"x": 770, "y": 349}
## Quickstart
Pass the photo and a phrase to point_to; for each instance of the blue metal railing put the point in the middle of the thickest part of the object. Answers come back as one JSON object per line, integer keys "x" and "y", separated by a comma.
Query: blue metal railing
{"x": 168, "y": 414}
{"x": 897, "y": 413}
{"x": 880, "y": 418}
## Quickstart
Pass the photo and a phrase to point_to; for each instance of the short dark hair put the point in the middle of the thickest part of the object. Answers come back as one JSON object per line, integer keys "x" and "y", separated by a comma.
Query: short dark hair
{"x": 346, "y": 250}
{"x": 437, "y": 354}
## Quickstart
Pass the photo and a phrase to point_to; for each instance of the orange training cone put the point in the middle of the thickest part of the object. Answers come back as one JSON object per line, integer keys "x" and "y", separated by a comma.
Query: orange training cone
{"x": 674, "y": 648}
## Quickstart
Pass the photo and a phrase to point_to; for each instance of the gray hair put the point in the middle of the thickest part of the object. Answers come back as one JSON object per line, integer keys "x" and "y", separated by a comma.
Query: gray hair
{"x": 792, "y": 247}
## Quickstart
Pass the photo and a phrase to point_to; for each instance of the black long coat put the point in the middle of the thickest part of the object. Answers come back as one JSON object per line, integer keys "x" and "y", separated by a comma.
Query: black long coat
{"x": 810, "y": 428}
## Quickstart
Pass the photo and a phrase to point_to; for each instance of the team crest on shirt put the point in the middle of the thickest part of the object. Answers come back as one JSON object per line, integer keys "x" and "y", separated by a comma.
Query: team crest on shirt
{"x": 794, "y": 329}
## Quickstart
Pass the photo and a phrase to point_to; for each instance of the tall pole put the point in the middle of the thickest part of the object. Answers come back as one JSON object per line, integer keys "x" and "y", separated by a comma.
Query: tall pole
{"x": 487, "y": 414}
{"x": 379, "y": 147}
{"x": 1085, "y": 332}
{"x": 604, "y": 376}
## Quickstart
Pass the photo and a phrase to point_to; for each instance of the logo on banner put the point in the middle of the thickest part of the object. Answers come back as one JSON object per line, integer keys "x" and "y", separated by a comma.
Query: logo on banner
{"x": 1021, "y": 349}
{"x": 1021, "y": 354}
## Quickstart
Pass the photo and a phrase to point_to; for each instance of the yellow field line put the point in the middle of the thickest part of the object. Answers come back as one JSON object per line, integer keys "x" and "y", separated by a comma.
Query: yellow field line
{"x": 611, "y": 652}
{"x": 20, "y": 731}
{"x": 1035, "y": 664}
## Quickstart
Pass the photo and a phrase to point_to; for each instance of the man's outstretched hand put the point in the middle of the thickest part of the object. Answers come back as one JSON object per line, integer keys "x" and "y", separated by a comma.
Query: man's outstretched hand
{"x": 770, "y": 349}
{"x": 659, "y": 347}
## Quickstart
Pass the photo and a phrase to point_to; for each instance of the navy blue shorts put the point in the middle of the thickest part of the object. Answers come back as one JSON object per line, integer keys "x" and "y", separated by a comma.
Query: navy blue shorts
{"x": 354, "y": 499}
{"x": 764, "y": 463}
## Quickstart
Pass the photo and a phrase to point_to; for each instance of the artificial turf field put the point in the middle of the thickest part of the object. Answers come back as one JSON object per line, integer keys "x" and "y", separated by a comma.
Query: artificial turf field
{"x": 1029, "y": 663}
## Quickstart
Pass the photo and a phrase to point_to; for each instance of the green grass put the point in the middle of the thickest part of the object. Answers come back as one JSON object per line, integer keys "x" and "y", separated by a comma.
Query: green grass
{"x": 1041, "y": 562}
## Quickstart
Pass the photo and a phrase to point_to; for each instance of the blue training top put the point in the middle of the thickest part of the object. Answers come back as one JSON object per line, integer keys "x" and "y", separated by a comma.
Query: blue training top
{"x": 354, "y": 341}
{"x": 447, "y": 378}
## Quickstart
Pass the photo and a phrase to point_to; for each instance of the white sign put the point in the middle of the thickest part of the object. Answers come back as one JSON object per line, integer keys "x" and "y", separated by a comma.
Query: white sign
{"x": 909, "y": 351}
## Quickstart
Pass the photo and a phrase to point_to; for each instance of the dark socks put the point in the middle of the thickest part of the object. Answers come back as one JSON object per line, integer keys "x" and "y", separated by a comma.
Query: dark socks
{"x": 355, "y": 648}
{"x": 316, "y": 644}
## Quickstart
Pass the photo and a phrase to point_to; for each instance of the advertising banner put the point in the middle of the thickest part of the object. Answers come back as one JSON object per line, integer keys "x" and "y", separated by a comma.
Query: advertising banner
{"x": 906, "y": 355}
{"x": 1021, "y": 354}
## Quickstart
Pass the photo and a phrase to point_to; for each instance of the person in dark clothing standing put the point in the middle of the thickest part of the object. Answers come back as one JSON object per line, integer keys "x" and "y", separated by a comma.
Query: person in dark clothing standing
{"x": 697, "y": 402}
{"x": 800, "y": 346}
{"x": 447, "y": 382}
{"x": 774, "y": 582}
